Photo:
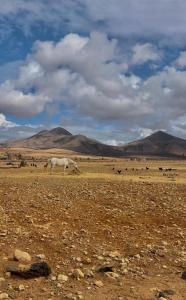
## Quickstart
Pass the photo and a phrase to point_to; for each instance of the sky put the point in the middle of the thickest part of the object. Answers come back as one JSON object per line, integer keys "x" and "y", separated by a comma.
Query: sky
{"x": 113, "y": 70}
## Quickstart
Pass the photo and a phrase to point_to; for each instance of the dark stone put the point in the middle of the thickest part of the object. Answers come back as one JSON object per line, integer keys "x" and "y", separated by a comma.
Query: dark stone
{"x": 183, "y": 275}
{"x": 41, "y": 269}
{"x": 165, "y": 293}
{"x": 105, "y": 269}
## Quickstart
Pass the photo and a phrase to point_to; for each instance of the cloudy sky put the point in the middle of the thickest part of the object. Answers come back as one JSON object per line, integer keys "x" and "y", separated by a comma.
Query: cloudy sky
{"x": 114, "y": 70}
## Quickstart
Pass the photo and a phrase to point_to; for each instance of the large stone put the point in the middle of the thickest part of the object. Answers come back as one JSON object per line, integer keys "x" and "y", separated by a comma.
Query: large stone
{"x": 35, "y": 270}
{"x": 22, "y": 256}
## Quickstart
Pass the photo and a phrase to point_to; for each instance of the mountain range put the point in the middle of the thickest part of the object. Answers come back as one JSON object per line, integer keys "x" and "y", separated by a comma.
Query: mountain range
{"x": 159, "y": 143}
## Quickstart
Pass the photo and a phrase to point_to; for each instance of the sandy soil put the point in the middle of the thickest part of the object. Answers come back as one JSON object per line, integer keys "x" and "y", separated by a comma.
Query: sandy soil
{"x": 133, "y": 222}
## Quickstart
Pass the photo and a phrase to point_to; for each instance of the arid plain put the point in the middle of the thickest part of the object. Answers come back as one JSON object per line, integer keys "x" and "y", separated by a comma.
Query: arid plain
{"x": 132, "y": 222}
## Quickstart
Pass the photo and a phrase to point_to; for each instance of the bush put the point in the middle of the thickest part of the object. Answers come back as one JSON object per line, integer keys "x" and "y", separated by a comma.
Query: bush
{"x": 23, "y": 163}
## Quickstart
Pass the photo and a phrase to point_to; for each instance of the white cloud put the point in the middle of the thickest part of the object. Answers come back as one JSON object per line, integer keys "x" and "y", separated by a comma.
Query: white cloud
{"x": 144, "y": 132}
{"x": 16, "y": 102}
{"x": 5, "y": 123}
{"x": 181, "y": 60}
{"x": 85, "y": 74}
{"x": 114, "y": 142}
{"x": 116, "y": 17}
{"x": 143, "y": 53}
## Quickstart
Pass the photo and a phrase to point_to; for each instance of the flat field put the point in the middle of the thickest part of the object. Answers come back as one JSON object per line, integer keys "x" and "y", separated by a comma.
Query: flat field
{"x": 133, "y": 222}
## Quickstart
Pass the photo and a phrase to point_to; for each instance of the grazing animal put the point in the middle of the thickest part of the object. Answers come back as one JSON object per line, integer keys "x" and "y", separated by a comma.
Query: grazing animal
{"x": 147, "y": 168}
{"x": 61, "y": 162}
{"x": 161, "y": 169}
{"x": 113, "y": 169}
{"x": 119, "y": 171}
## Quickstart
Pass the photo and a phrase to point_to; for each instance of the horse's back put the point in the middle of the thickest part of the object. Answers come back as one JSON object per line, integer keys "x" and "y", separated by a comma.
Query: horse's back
{"x": 59, "y": 161}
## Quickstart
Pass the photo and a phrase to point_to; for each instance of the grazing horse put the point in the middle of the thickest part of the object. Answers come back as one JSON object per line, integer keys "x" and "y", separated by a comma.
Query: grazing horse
{"x": 61, "y": 162}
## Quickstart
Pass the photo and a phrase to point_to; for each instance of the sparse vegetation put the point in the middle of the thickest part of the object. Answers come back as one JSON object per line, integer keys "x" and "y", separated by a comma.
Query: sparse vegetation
{"x": 23, "y": 163}
{"x": 105, "y": 236}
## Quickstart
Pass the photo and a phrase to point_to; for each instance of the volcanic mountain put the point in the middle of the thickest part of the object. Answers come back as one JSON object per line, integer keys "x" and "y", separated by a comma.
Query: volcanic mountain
{"x": 62, "y": 139}
{"x": 159, "y": 143}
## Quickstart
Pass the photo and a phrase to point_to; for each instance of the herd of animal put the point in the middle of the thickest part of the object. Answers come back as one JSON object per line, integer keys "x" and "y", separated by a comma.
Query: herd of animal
{"x": 146, "y": 168}
{"x": 66, "y": 162}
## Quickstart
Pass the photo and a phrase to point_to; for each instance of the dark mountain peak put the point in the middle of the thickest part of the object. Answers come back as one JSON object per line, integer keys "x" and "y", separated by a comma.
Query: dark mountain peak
{"x": 60, "y": 131}
{"x": 160, "y": 136}
{"x": 42, "y": 132}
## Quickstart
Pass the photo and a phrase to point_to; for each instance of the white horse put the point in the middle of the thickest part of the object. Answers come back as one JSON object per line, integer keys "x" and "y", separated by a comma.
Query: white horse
{"x": 61, "y": 162}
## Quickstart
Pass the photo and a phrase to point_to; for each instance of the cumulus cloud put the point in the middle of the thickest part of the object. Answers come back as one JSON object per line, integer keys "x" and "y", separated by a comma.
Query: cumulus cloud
{"x": 181, "y": 60}
{"x": 143, "y": 53}
{"x": 18, "y": 103}
{"x": 90, "y": 76}
{"x": 5, "y": 123}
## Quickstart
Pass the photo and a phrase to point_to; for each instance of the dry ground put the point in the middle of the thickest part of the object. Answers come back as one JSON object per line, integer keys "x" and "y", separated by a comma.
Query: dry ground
{"x": 133, "y": 222}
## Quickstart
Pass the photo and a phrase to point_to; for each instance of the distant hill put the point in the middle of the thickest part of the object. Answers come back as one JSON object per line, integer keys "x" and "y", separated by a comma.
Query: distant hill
{"x": 158, "y": 144}
{"x": 62, "y": 139}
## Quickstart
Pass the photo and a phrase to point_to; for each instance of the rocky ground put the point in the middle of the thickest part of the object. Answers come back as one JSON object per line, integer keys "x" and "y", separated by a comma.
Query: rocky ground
{"x": 105, "y": 236}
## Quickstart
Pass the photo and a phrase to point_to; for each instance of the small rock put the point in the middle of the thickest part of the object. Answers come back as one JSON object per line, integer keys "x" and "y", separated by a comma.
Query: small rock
{"x": 2, "y": 279}
{"x": 22, "y": 256}
{"x": 114, "y": 254}
{"x": 113, "y": 275}
{"x": 4, "y": 296}
{"x": 77, "y": 273}
{"x": 41, "y": 256}
{"x": 53, "y": 278}
{"x": 183, "y": 275}
{"x": 98, "y": 283}
{"x": 62, "y": 278}
{"x": 21, "y": 287}
{"x": 165, "y": 293}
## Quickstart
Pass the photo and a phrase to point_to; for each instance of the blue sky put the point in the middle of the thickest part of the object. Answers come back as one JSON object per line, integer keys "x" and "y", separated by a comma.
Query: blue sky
{"x": 114, "y": 70}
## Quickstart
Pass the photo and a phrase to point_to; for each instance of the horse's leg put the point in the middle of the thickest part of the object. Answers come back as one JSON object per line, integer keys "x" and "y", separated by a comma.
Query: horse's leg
{"x": 51, "y": 169}
{"x": 64, "y": 169}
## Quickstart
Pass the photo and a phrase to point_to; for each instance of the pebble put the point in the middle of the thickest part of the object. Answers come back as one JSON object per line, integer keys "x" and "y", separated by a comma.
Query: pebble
{"x": 21, "y": 287}
{"x": 77, "y": 273}
{"x": 98, "y": 283}
{"x": 63, "y": 278}
{"x": 41, "y": 256}
{"x": 114, "y": 254}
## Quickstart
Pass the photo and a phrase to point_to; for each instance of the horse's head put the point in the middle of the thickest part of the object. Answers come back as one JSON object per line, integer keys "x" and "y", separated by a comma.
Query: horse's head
{"x": 76, "y": 168}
